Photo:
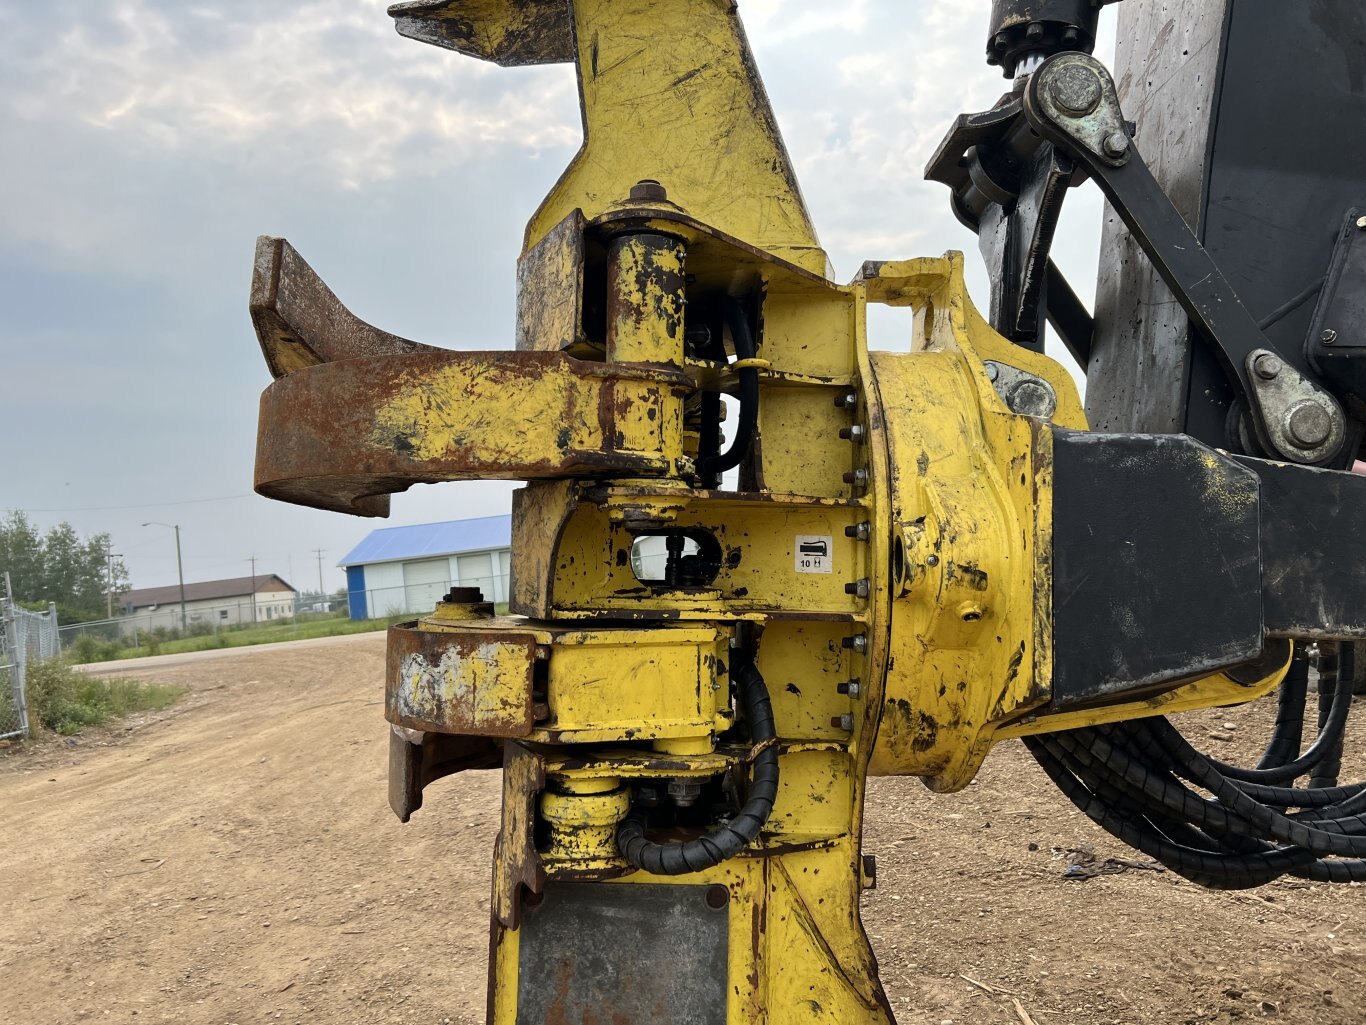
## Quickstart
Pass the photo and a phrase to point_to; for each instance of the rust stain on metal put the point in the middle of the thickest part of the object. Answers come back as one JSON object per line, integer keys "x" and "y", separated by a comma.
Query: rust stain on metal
{"x": 550, "y": 289}
{"x": 301, "y": 323}
{"x": 468, "y": 682}
{"x": 513, "y": 33}
{"x": 343, "y": 436}
{"x": 516, "y": 863}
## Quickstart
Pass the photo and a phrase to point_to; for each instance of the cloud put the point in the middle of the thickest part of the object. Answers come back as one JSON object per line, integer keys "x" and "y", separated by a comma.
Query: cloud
{"x": 149, "y": 141}
{"x": 327, "y": 82}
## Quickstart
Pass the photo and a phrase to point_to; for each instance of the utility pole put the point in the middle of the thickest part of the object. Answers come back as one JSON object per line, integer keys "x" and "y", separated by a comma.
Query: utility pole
{"x": 179, "y": 568}
{"x": 322, "y": 592}
{"x": 252, "y": 560}
{"x": 110, "y": 555}
{"x": 180, "y": 572}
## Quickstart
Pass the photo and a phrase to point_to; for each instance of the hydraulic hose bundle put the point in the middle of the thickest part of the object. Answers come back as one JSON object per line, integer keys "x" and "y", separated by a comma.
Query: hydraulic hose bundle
{"x": 711, "y": 464}
{"x": 729, "y": 839}
{"x": 1141, "y": 781}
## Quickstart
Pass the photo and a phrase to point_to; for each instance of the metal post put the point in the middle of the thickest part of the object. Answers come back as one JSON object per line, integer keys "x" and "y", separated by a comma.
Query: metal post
{"x": 14, "y": 645}
{"x": 179, "y": 566}
{"x": 180, "y": 570}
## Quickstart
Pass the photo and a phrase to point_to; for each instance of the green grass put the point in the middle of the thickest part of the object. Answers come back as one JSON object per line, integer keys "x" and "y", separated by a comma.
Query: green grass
{"x": 90, "y": 648}
{"x": 63, "y": 701}
{"x": 261, "y": 633}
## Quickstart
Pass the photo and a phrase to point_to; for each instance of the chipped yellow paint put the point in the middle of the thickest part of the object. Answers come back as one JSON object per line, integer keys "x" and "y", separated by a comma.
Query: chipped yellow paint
{"x": 624, "y": 685}
{"x": 1215, "y": 691}
{"x": 495, "y": 410}
{"x": 583, "y": 813}
{"x": 930, "y": 639}
{"x": 971, "y": 500}
{"x": 690, "y": 114}
{"x": 645, "y": 301}
{"x": 487, "y": 682}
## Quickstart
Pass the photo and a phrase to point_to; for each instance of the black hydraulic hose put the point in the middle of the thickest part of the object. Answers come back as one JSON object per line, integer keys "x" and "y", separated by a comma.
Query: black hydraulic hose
{"x": 726, "y": 841}
{"x": 1332, "y": 800}
{"x": 709, "y": 444}
{"x": 1329, "y": 738}
{"x": 1226, "y": 871}
{"x": 1140, "y": 781}
{"x": 1336, "y": 669}
{"x": 709, "y": 467}
{"x": 1287, "y": 735}
{"x": 1201, "y": 771}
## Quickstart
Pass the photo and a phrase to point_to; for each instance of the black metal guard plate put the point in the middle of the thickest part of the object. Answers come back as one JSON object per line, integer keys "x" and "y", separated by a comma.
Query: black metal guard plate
{"x": 631, "y": 954}
{"x": 1156, "y": 574}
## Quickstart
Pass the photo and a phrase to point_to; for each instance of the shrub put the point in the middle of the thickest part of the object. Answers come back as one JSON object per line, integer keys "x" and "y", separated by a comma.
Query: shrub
{"x": 64, "y": 701}
{"x": 93, "y": 648}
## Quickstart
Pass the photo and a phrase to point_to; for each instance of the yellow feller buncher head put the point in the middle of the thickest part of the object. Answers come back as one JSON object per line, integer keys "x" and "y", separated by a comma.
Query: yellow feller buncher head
{"x": 753, "y": 562}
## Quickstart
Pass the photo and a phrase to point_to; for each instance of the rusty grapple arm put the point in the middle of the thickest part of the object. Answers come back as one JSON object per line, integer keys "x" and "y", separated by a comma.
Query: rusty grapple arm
{"x": 890, "y": 561}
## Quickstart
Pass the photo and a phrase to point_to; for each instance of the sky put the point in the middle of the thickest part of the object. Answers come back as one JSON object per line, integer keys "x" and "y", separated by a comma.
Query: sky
{"x": 146, "y": 143}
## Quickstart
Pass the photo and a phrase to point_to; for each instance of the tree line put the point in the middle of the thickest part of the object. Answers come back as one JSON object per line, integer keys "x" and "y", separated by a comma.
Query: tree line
{"x": 61, "y": 567}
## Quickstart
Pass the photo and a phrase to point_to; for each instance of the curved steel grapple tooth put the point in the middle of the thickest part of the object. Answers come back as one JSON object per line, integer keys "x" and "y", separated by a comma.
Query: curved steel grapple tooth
{"x": 507, "y": 32}
{"x": 301, "y": 323}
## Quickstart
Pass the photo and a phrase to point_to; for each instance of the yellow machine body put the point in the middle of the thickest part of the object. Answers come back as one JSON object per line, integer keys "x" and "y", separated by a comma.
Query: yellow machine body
{"x": 884, "y": 552}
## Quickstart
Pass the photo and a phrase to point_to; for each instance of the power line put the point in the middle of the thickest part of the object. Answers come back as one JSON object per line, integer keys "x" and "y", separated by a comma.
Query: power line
{"x": 146, "y": 505}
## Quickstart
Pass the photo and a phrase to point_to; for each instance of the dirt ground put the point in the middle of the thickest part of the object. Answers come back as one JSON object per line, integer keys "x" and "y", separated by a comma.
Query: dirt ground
{"x": 233, "y": 860}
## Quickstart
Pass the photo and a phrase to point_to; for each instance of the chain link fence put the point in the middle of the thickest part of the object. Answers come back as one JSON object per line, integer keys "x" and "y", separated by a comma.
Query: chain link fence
{"x": 25, "y": 639}
{"x": 419, "y": 599}
{"x": 229, "y": 623}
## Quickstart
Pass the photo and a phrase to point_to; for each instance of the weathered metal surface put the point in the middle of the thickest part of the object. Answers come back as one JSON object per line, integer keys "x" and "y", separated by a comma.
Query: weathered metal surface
{"x": 460, "y": 681}
{"x": 507, "y": 32}
{"x": 645, "y": 299}
{"x": 550, "y": 289}
{"x": 646, "y": 953}
{"x": 517, "y": 867}
{"x": 971, "y": 497}
{"x": 581, "y": 814}
{"x": 1186, "y": 570}
{"x": 341, "y": 436}
{"x": 1029, "y": 29}
{"x": 1166, "y": 68}
{"x": 1311, "y": 585}
{"x": 691, "y": 114}
{"x": 570, "y": 559}
{"x": 300, "y": 323}
{"x": 1228, "y": 331}
{"x": 417, "y": 759}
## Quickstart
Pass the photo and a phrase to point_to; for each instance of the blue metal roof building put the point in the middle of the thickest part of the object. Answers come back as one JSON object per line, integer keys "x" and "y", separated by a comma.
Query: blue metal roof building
{"x": 401, "y": 570}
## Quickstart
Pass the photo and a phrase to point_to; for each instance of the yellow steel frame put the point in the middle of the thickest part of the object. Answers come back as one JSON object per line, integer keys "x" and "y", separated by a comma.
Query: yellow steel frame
{"x": 927, "y": 640}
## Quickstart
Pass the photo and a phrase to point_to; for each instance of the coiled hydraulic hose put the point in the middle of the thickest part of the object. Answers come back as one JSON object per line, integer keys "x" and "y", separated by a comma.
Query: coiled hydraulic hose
{"x": 714, "y": 847}
{"x": 1143, "y": 782}
{"x": 710, "y": 467}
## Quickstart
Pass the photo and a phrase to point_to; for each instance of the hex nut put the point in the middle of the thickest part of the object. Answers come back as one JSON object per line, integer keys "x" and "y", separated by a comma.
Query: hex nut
{"x": 1116, "y": 144}
{"x": 647, "y": 190}
{"x": 1032, "y": 398}
{"x": 1268, "y": 366}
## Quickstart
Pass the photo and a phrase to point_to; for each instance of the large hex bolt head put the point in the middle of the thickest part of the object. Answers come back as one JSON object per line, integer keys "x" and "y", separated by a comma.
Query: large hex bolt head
{"x": 1075, "y": 89}
{"x": 1309, "y": 424}
{"x": 1032, "y": 398}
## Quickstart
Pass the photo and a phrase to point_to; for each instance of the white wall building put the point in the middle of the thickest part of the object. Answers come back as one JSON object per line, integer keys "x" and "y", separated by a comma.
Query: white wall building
{"x": 398, "y": 571}
{"x": 213, "y": 603}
